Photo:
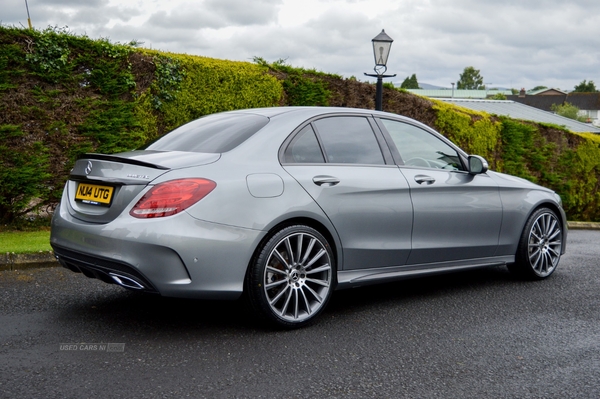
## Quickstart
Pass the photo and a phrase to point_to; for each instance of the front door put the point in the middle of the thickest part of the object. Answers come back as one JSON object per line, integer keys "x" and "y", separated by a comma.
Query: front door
{"x": 457, "y": 215}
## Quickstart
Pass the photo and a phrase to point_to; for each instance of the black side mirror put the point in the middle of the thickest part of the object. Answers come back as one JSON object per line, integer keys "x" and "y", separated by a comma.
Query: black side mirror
{"x": 477, "y": 165}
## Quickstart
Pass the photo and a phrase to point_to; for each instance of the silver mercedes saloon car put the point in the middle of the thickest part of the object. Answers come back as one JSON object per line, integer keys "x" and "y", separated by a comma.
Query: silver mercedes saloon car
{"x": 285, "y": 205}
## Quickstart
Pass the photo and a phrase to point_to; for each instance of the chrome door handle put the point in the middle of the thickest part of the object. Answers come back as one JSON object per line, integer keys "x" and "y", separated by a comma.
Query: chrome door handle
{"x": 325, "y": 180}
{"x": 424, "y": 179}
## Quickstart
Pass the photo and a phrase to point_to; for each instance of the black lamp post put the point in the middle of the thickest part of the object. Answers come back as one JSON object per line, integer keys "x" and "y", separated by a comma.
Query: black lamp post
{"x": 382, "y": 44}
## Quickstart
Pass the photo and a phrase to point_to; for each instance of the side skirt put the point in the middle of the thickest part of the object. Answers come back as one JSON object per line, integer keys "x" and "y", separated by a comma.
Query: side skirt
{"x": 360, "y": 277}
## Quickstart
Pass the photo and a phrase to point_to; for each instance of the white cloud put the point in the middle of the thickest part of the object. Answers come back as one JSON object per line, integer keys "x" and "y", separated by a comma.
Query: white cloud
{"x": 243, "y": 12}
{"x": 513, "y": 43}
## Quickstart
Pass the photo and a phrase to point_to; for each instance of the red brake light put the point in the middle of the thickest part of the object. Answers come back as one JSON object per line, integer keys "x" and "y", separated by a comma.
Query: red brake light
{"x": 171, "y": 197}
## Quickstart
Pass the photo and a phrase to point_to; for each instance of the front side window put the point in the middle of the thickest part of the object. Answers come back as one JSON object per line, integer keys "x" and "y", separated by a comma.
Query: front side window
{"x": 419, "y": 148}
{"x": 349, "y": 139}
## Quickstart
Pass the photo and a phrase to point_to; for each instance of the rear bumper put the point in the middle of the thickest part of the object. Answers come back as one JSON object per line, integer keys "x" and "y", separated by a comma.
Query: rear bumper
{"x": 107, "y": 270}
{"x": 176, "y": 256}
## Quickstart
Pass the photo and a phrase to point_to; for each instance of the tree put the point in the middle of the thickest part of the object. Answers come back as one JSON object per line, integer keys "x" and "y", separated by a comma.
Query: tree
{"x": 536, "y": 88}
{"x": 470, "y": 79}
{"x": 568, "y": 111}
{"x": 584, "y": 87}
{"x": 410, "y": 83}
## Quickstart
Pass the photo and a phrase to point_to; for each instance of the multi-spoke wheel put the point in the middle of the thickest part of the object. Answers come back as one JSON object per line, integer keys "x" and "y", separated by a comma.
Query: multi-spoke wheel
{"x": 292, "y": 278}
{"x": 540, "y": 246}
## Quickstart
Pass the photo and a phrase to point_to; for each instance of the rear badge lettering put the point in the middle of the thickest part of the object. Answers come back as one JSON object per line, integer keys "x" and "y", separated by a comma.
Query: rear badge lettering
{"x": 139, "y": 176}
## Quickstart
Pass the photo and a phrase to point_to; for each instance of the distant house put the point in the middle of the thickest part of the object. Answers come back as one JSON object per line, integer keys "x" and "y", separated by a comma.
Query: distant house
{"x": 547, "y": 92}
{"x": 456, "y": 93}
{"x": 540, "y": 100}
{"x": 588, "y": 103}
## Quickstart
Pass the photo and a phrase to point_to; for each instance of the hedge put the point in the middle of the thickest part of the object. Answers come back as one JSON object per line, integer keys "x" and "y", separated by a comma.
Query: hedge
{"x": 62, "y": 95}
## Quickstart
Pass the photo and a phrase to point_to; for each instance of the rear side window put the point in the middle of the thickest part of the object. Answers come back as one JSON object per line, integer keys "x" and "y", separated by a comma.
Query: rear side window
{"x": 211, "y": 134}
{"x": 349, "y": 139}
{"x": 304, "y": 148}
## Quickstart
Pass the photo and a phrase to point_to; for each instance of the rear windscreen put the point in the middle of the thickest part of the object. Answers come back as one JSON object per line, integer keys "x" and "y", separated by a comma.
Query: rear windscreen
{"x": 212, "y": 134}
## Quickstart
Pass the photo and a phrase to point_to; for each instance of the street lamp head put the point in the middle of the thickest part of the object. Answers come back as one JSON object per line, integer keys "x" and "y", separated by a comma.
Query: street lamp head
{"x": 381, "y": 50}
{"x": 382, "y": 44}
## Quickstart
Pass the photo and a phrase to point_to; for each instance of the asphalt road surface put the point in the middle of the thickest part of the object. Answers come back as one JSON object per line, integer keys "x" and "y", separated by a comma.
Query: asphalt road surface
{"x": 478, "y": 334}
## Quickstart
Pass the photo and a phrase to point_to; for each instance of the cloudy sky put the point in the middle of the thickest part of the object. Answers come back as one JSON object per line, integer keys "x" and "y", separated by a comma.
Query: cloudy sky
{"x": 514, "y": 43}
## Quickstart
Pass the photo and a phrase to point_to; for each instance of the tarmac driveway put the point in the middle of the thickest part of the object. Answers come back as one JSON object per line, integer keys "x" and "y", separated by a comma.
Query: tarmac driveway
{"x": 478, "y": 334}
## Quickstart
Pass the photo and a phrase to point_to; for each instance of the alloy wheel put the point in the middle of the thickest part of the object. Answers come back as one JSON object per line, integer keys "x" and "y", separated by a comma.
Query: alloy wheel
{"x": 544, "y": 244}
{"x": 297, "y": 277}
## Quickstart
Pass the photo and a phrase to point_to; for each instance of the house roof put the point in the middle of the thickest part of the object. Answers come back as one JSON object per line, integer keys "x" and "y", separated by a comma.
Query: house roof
{"x": 517, "y": 110}
{"x": 541, "y": 102}
{"x": 584, "y": 101}
{"x": 546, "y": 92}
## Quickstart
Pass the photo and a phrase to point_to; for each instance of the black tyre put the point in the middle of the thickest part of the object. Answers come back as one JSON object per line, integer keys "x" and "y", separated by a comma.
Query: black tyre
{"x": 540, "y": 246}
{"x": 292, "y": 278}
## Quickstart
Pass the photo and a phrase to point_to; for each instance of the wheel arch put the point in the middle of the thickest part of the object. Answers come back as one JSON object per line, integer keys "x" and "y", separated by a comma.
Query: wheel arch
{"x": 561, "y": 217}
{"x": 306, "y": 221}
{"x": 537, "y": 257}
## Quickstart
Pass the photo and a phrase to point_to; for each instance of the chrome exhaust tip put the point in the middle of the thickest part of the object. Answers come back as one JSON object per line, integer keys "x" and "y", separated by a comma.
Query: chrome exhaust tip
{"x": 126, "y": 282}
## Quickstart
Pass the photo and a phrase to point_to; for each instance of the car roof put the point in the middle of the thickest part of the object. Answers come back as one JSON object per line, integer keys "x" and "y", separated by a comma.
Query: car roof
{"x": 308, "y": 112}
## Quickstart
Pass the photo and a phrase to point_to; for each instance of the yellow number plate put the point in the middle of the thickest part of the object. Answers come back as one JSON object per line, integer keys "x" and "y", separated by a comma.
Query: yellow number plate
{"x": 94, "y": 194}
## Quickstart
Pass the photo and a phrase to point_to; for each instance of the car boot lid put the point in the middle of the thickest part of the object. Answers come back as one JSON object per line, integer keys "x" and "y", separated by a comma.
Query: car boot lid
{"x": 135, "y": 167}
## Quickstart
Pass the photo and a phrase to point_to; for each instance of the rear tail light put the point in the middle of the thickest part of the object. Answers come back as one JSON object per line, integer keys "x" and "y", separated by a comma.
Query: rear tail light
{"x": 171, "y": 197}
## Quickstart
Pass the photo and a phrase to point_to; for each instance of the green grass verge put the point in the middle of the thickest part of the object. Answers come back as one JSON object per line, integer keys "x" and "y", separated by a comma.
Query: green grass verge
{"x": 21, "y": 242}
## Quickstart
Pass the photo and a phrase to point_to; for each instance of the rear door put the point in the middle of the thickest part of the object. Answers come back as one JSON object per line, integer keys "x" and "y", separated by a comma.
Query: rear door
{"x": 457, "y": 215}
{"x": 341, "y": 162}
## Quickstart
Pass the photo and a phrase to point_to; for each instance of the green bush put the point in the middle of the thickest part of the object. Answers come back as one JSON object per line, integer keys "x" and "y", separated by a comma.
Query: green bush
{"x": 568, "y": 111}
{"x": 49, "y": 54}
{"x": 474, "y": 132}
{"x": 64, "y": 95}
{"x": 23, "y": 174}
{"x": 581, "y": 190}
{"x": 167, "y": 79}
{"x": 212, "y": 86}
{"x": 517, "y": 145}
{"x": 302, "y": 87}
{"x": 305, "y": 91}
